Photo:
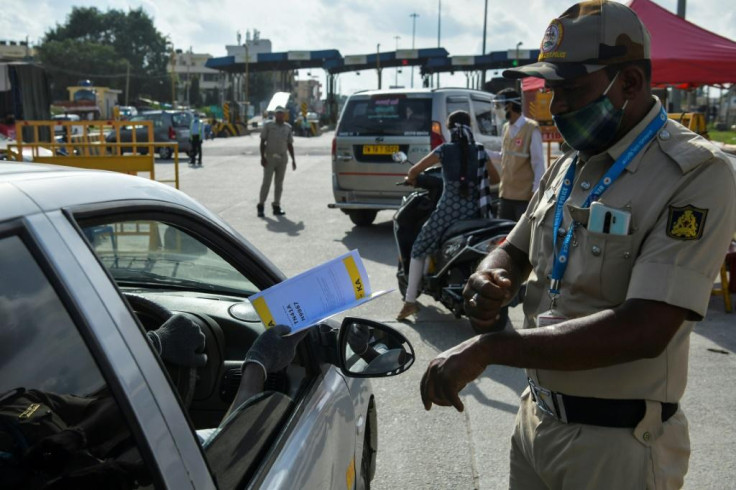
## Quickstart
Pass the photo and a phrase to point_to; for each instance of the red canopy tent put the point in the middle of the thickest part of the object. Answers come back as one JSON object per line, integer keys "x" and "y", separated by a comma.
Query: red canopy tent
{"x": 683, "y": 54}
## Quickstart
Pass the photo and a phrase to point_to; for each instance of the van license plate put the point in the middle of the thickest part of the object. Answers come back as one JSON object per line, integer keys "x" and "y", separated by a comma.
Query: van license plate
{"x": 380, "y": 149}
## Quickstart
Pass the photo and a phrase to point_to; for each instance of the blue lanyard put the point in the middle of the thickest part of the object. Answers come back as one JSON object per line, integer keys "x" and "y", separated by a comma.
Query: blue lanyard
{"x": 561, "y": 257}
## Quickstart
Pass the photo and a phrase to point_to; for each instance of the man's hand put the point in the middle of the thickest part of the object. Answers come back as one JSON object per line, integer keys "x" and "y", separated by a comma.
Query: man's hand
{"x": 264, "y": 162}
{"x": 293, "y": 164}
{"x": 272, "y": 350}
{"x": 485, "y": 293}
{"x": 449, "y": 373}
{"x": 179, "y": 341}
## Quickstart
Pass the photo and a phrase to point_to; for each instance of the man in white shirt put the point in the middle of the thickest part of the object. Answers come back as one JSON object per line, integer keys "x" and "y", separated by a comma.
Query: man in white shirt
{"x": 522, "y": 157}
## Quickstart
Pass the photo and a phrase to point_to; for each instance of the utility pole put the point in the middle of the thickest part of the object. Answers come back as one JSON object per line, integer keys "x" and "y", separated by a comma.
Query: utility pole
{"x": 127, "y": 80}
{"x": 485, "y": 24}
{"x": 396, "y": 74}
{"x": 189, "y": 65}
{"x": 413, "y": 31}
{"x": 439, "y": 19}
{"x": 247, "y": 59}
{"x": 378, "y": 64}
{"x": 173, "y": 75}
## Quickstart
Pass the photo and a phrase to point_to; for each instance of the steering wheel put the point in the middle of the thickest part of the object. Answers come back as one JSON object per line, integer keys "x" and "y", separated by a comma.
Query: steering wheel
{"x": 183, "y": 377}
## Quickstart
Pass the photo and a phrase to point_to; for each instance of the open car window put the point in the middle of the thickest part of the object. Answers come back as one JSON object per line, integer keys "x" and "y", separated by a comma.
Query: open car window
{"x": 155, "y": 254}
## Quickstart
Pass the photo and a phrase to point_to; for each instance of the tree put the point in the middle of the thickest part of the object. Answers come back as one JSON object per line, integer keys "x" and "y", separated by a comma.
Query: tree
{"x": 96, "y": 45}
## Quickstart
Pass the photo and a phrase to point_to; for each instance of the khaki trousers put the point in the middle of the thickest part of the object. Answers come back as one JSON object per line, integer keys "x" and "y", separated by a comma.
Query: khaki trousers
{"x": 276, "y": 165}
{"x": 548, "y": 454}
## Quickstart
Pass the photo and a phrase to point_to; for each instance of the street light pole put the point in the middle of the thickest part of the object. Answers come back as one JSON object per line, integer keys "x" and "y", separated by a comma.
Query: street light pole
{"x": 518, "y": 81}
{"x": 413, "y": 31}
{"x": 485, "y": 24}
{"x": 439, "y": 23}
{"x": 378, "y": 64}
{"x": 396, "y": 73}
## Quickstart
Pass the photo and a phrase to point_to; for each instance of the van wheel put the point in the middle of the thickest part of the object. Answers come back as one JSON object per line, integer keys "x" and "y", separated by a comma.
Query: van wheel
{"x": 362, "y": 217}
{"x": 164, "y": 153}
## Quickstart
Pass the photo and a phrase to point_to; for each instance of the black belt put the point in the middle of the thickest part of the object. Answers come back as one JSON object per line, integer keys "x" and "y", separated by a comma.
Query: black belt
{"x": 594, "y": 411}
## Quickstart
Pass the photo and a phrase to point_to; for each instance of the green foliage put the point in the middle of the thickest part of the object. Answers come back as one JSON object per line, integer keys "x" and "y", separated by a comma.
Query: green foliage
{"x": 97, "y": 45}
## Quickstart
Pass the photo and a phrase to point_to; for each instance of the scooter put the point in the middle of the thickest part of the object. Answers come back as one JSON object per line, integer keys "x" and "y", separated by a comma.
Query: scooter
{"x": 461, "y": 249}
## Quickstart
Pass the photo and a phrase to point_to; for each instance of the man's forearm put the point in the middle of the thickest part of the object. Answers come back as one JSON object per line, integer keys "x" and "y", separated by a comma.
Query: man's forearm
{"x": 638, "y": 329}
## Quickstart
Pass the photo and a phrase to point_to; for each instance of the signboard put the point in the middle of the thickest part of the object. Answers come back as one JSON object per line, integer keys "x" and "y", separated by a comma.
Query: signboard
{"x": 298, "y": 56}
{"x": 463, "y": 60}
{"x": 407, "y": 54}
{"x": 522, "y": 54}
{"x": 550, "y": 134}
{"x": 356, "y": 59}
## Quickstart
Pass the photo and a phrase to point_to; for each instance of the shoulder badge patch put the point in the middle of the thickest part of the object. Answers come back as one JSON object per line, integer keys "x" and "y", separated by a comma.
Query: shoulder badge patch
{"x": 686, "y": 223}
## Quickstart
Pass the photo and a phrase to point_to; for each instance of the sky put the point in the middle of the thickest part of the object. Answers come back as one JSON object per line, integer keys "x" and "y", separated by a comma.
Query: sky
{"x": 350, "y": 26}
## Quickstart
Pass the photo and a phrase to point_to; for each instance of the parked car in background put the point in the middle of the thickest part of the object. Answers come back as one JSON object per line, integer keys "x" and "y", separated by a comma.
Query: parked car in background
{"x": 60, "y": 129}
{"x": 127, "y": 111}
{"x": 168, "y": 127}
{"x": 375, "y": 124}
{"x": 89, "y": 262}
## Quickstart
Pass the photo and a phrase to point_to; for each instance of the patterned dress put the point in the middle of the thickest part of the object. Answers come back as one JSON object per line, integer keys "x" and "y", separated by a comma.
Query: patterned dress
{"x": 452, "y": 206}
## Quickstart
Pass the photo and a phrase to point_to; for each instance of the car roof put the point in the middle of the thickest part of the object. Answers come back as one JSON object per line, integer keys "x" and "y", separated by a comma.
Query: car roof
{"x": 53, "y": 187}
{"x": 420, "y": 91}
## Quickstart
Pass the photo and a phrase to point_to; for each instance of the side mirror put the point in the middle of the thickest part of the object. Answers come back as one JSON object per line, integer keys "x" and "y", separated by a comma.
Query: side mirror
{"x": 370, "y": 349}
{"x": 400, "y": 157}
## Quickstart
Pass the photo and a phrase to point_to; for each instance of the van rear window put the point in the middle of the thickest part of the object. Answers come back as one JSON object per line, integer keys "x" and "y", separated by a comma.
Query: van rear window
{"x": 387, "y": 115}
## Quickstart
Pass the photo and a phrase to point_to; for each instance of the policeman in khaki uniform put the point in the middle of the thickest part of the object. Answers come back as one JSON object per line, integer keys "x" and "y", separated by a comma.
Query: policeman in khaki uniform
{"x": 276, "y": 139}
{"x": 620, "y": 247}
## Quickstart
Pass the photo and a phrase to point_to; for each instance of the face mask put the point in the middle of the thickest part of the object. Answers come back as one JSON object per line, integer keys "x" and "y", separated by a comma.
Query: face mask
{"x": 592, "y": 127}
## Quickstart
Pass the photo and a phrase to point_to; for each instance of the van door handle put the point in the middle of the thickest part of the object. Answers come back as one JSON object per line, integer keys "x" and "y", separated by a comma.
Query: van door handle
{"x": 344, "y": 158}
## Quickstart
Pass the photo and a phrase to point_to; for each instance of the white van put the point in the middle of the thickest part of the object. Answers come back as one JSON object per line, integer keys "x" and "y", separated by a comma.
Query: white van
{"x": 375, "y": 124}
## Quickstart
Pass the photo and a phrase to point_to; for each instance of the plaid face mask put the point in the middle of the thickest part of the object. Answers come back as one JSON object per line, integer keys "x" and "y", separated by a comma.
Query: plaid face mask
{"x": 592, "y": 127}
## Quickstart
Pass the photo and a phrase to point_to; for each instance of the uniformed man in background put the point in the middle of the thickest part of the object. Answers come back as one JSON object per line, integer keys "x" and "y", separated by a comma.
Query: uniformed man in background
{"x": 521, "y": 155}
{"x": 620, "y": 246}
{"x": 276, "y": 139}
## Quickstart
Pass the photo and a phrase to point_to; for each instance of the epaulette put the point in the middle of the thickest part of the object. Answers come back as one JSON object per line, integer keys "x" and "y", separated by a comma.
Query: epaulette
{"x": 687, "y": 149}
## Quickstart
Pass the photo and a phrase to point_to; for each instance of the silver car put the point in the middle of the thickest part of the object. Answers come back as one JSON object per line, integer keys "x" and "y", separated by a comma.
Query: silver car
{"x": 375, "y": 124}
{"x": 89, "y": 261}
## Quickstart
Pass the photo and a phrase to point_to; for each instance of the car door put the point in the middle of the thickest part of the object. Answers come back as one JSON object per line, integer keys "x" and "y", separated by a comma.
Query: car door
{"x": 89, "y": 414}
{"x": 302, "y": 432}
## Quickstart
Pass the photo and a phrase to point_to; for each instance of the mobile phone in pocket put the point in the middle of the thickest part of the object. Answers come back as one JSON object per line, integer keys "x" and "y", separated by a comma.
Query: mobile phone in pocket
{"x": 605, "y": 219}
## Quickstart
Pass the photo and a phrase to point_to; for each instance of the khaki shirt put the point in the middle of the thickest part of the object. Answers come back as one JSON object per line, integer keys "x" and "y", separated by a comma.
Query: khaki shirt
{"x": 681, "y": 193}
{"x": 277, "y": 138}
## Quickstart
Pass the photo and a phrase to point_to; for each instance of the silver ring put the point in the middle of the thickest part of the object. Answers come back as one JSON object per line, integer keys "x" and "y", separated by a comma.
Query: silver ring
{"x": 473, "y": 301}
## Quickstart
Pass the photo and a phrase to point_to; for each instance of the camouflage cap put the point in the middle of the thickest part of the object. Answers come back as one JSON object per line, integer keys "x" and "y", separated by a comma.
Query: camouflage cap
{"x": 587, "y": 37}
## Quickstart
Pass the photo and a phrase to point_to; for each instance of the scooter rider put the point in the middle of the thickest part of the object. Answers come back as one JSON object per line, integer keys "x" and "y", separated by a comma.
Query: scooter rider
{"x": 460, "y": 160}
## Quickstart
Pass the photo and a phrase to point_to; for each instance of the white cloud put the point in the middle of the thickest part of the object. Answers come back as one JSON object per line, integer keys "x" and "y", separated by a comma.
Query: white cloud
{"x": 351, "y": 26}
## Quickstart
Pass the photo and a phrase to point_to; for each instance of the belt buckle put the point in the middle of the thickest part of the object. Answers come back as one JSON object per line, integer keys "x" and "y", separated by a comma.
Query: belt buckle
{"x": 545, "y": 400}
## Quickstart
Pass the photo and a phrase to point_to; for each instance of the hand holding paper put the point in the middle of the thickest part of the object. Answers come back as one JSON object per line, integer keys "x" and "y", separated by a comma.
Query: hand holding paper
{"x": 312, "y": 296}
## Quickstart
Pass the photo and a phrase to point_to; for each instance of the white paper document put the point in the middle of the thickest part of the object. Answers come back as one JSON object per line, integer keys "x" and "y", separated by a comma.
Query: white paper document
{"x": 317, "y": 294}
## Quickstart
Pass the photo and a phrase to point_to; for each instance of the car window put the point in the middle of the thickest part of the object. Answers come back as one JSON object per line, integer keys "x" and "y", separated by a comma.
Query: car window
{"x": 58, "y": 420}
{"x": 483, "y": 109}
{"x": 457, "y": 103}
{"x": 181, "y": 119}
{"x": 390, "y": 114}
{"x": 142, "y": 252}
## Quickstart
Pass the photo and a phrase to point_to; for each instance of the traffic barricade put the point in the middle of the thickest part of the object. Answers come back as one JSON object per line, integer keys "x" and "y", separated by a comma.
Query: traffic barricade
{"x": 38, "y": 143}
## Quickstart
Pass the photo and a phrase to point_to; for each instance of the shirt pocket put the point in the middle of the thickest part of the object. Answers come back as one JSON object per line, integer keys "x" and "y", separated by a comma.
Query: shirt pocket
{"x": 541, "y": 238}
{"x": 604, "y": 264}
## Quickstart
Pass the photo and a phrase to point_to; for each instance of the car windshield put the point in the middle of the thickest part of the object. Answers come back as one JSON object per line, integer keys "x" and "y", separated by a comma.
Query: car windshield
{"x": 389, "y": 114}
{"x": 155, "y": 254}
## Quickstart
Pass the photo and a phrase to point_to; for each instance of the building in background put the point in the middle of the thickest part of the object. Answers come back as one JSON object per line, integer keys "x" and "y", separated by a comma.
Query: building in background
{"x": 191, "y": 75}
{"x": 16, "y": 51}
